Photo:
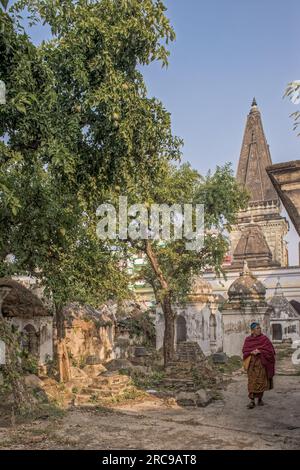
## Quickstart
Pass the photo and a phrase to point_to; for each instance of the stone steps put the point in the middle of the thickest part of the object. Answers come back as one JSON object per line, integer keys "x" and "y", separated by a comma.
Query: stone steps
{"x": 82, "y": 399}
{"x": 113, "y": 389}
{"x": 189, "y": 352}
{"x": 99, "y": 393}
{"x": 182, "y": 374}
{"x": 111, "y": 380}
{"x": 179, "y": 384}
{"x": 183, "y": 367}
{"x": 105, "y": 386}
{"x": 89, "y": 391}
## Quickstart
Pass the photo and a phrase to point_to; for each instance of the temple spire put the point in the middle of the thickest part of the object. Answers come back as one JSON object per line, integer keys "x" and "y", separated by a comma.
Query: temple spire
{"x": 254, "y": 158}
{"x": 278, "y": 288}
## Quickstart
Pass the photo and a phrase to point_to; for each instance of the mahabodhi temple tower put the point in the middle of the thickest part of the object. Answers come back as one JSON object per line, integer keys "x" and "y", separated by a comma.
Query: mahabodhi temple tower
{"x": 259, "y": 234}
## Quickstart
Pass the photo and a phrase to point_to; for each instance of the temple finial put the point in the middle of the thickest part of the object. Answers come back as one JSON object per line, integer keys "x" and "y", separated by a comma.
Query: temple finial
{"x": 246, "y": 269}
{"x": 278, "y": 288}
{"x": 254, "y": 102}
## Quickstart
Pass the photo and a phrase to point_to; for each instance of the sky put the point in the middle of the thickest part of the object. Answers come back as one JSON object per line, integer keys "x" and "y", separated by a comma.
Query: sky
{"x": 225, "y": 53}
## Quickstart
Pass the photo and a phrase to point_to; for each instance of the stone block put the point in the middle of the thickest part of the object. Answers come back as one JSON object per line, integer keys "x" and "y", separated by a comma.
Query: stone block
{"x": 77, "y": 373}
{"x": 33, "y": 381}
{"x": 118, "y": 364}
{"x": 94, "y": 370}
{"x": 186, "y": 399}
{"x": 204, "y": 398}
{"x": 140, "y": 351}
{"x": 219, "y": 358}
{"x": 92, "y": 360}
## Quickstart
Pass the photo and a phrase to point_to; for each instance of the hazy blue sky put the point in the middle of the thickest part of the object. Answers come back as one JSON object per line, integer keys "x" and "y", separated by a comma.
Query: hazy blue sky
{"x": 226, "y": 52}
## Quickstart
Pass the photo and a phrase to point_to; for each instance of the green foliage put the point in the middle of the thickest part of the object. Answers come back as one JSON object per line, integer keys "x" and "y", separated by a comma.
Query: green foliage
{"x": 29, "y": 363}
{"x": 106, "y": 119}
{"x": 79, "y": 129}
{"x": 130, "y": 393}
{"x": 222, "y": 199}
{"x": 77, "y": 122}
{"x": 293, "y": 93}
{"x": 4, "y": 3}
{"x": 203, "y": 379}
{"x": 148, "y": 381}
{"x": 141, "y": 326}
{"x": 94, "y": 398}
{"x": 233, "y": 363}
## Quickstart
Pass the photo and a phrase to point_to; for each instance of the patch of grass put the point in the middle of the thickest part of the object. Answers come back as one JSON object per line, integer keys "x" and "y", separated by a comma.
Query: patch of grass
{"x": 44, "y": 410}
{"x": 204, "y": 377}
{"x": 124, "y": 372}
{"x": 283, "y": 353}
{"x": 33, "y": 437}
{"x": 129, "y": 394}
{"x": 132, "y": 394}
{"x": 40, "y": 395}
{"x": 6, "y": 444}
{"x": 94, "y": 398}
{"x": 144, "y": 381}
{"x": 234, "y": 363}
{"x": 152, "y": 380}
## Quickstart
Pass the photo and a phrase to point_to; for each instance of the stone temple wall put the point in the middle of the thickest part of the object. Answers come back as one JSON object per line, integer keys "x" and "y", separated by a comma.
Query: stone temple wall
{"x": 85, "y": 339}
{"x": 43, "y": 329}
{"x": 92, "y": 336}
{"x": 236, "y": 322}
{"x": 201, "y": 322}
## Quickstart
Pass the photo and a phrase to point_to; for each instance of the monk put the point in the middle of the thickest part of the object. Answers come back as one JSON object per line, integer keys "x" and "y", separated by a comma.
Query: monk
{"x": 261, "y": 365}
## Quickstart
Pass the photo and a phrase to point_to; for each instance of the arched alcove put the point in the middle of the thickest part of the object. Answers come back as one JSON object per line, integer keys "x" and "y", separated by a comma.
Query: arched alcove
{"x": 277, "y": 332}
{"x": 30, "y": 340}
{"x": 181, "y": 329}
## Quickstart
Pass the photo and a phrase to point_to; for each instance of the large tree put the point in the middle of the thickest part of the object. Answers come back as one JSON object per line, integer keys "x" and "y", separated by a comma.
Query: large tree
{"x": 169, "y": 266}
{"x": 77, "y": 121}
{"x": 79, "y": 125}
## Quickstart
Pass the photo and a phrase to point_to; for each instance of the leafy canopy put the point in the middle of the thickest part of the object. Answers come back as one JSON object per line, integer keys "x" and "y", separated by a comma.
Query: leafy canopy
{"x": 77, "y": 122}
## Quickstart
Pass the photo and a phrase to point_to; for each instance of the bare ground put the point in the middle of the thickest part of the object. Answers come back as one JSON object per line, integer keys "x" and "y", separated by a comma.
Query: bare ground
{"x": 158, "y": 424}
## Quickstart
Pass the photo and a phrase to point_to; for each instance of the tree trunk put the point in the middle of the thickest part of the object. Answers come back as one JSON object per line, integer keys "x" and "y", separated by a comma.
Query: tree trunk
{"x": 59, "y": 321}
{"x": 169, "y": 333}
{"x": 13, "y": 372}
{"x": 165, "y": 301}
{"x": 63, "y": 363}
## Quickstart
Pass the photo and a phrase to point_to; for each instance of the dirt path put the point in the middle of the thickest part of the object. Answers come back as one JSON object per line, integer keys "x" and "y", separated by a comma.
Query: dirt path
{"x": 152, "y": 424}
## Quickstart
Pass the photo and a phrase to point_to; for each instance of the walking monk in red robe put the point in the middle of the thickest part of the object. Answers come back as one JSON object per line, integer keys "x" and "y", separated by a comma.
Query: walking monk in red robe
{"x": 259, "y": 355}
